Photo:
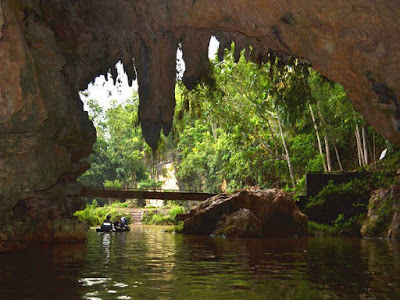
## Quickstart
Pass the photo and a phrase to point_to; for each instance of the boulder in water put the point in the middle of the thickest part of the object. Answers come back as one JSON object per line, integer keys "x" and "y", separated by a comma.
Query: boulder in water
{"x": 278, "y": 214}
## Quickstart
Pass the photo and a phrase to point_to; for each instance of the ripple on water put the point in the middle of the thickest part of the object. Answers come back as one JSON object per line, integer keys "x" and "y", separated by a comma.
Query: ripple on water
{"x": 148, "y": 263}
{"x": 93, "y": 281}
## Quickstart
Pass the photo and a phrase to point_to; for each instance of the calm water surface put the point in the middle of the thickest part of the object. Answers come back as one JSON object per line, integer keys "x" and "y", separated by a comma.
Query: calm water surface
{"x": 148, "y": 263}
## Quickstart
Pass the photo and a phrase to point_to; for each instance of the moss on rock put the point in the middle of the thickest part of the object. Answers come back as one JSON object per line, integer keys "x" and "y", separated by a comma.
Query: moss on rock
{"x": 383, "y": 219}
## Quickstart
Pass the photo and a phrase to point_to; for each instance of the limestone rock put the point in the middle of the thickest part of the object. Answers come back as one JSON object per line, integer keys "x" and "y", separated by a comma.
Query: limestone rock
{"x": 383, "y": 218}
{"x": 242, "y": 223}
{"x": 276, "y": 211}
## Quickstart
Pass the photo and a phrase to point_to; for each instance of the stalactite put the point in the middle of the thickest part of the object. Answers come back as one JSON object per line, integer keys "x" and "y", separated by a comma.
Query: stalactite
{"x": 156, "y": 71}
{"x": 195, "y": 55}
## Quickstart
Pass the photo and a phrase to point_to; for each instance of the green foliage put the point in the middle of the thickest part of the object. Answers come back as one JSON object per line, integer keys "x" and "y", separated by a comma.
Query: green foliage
{"x": 384, "y": 172}
{"x": 384, "y": 175}
{"x": 120, "y": 152}
{"x": 379, "y": 226}
{"x": 345, "y": 205}
{"x": 112, "y": 184}
{"x": 228, "y": 134}
{"x": 340, "y": 227}
{"x": 179, "y": 227}
{"x": 350, "y": 226}
{"x": 317, "y": 229}
{"x": 299, "y": 189}
{"x": 162, "y": 217}
{"x": 175, "y": 210}
{"x": 94, "y": 215}
{"x": 251, "y": 125}
{"x": 149, "y": 183}
{"x": 349, "y": 199}
{"x": 126, "y": 204}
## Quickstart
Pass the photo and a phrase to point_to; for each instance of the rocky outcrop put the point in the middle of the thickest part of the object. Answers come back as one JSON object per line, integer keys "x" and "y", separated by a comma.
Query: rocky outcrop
{"x": 383, "y": 219}
{"x": 249, "y": 213}
{"x": 50, "y": 50}
{"x": 44, "y": 133}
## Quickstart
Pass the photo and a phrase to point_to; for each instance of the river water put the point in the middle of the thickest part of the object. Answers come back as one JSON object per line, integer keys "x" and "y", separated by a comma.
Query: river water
{"x": 149, "y": 263}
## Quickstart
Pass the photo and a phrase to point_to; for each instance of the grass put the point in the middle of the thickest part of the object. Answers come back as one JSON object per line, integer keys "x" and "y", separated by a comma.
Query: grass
{"x": 163, "y": 217}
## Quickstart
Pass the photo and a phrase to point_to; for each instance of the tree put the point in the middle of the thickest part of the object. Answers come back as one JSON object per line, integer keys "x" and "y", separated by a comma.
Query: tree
{"x": 262, "y": 125}
{"x": 119, "y": 152}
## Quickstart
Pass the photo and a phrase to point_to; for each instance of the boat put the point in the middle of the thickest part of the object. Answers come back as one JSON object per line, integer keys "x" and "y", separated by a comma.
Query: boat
{"x": 118, "y": 226}
{"x": 114, "y": 229}
{"x": 121, "y": 228}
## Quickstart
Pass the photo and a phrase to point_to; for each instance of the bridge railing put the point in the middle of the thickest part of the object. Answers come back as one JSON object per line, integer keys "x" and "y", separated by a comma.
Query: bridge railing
{"x": 130, "y": 193}
{"x": 146, "y": 190}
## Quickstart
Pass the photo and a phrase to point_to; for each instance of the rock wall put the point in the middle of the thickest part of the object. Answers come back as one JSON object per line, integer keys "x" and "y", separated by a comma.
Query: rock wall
{"x": 49, "y": 50}
{"x": 383, "y": 218}
{"x": 44, "y": 134}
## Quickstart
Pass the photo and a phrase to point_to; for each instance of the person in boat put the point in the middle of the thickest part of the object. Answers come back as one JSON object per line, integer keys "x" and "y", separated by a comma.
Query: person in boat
{"x": 107, "y": 225}
{"x": 120, "y": 224}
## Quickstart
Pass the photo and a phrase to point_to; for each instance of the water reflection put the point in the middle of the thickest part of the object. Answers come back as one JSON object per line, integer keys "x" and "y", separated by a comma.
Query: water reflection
{"x": 148, "y": 263}
{"x": 383, "y": 266}
{"x": 42, "y": 272}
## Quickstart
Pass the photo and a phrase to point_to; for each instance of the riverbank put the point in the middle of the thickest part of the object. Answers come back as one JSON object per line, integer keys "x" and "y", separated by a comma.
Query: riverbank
{"x": 94, "y": 215}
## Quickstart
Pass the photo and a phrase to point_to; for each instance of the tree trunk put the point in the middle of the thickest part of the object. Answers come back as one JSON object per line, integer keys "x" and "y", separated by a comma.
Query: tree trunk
{"x": 365, "y": 148}
{"x": 214, "y": 130}
{"x": 273, "y": 137}
{"x": 359, "y": 148}
{"x": 374, "y": 145}
{"x": 318, "y": 138}
{"x": 328, "y": 154}
{"x": 337, "y": 156}
{"x": 289, "y": 163}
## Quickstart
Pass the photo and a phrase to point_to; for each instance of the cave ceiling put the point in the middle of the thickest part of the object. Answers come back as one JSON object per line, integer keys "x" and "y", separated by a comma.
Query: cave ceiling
{"x": 355, "y": 43}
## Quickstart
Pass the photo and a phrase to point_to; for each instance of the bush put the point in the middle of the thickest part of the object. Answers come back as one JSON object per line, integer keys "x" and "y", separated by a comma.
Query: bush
{"x": 162, "y": 218}
{"x": 94, "y": 215}
{"x": 321, "y": 229}
{"x": 175, "y": 210}
{"x": 150, "y": 184}
{"x": 112, "y": 184}
{"x": 126, "y": 204}
{"x": 350, "y": 199}
{"x": 350, "y": 226}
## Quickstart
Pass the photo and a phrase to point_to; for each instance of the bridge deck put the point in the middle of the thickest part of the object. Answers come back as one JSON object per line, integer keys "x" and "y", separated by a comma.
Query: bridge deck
{"x": 141, "y": 194}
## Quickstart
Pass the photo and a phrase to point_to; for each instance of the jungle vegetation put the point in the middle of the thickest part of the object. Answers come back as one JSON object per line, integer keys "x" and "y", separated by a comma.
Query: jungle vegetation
{"x": 246, "y": 124}
{"x": 267, "y": 124}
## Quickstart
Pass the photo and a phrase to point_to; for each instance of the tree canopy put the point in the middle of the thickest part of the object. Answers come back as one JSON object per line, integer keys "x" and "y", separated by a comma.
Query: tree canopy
{"x": 251, "y": 124}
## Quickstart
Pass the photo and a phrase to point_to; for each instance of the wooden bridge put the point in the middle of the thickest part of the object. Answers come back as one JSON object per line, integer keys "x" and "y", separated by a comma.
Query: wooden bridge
{"x": 145, "y": 194}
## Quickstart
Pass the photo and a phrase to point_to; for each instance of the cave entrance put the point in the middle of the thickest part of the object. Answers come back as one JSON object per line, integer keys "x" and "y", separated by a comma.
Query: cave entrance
{"x": 261, "y": 124}
{"x": 302, "y": 122}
